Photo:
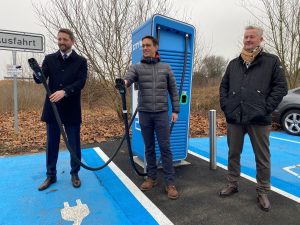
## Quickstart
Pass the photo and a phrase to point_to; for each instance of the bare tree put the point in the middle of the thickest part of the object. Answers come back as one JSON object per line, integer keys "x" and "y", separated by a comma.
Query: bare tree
{"x": 281, "y": 21}
{"x": 212, "y": 68}
{"x": 202, "y": 50}
{"x": 103, "y": 33}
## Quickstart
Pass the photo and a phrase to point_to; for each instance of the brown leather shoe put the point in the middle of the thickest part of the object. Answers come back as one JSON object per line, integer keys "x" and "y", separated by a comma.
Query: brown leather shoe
{"x": 75, "y": 180}
{"x": 263, "y": 202}
{"x": 148, "y": 184}
{"x": 47, "y": 183}
{"x": 228, "y": 191}
{"x": 172, "y": 192}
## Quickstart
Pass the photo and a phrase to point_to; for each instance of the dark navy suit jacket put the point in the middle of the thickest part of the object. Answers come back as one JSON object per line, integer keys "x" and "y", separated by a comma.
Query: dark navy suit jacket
{"x": 68, "y": 75}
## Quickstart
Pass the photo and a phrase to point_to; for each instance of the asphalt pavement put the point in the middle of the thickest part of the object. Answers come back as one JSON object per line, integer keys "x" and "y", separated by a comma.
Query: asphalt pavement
{"x": 199, "y": 202}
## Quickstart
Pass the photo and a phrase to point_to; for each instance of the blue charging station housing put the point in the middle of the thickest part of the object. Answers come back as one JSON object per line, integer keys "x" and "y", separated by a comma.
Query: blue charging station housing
{"x": 171, "y": 34}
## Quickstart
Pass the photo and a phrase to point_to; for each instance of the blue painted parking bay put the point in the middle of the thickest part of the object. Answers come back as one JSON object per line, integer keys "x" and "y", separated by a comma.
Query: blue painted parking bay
{"x": 285, "y": 160}
{"x": 105, "y": 197}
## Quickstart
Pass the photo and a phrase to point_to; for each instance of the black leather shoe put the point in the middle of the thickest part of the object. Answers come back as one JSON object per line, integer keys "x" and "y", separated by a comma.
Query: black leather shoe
{"x": 75, "y": 180}
{"x": 47, "y": 183}
{"x": 263, "y": 202}
{"x": 228, "y": 191}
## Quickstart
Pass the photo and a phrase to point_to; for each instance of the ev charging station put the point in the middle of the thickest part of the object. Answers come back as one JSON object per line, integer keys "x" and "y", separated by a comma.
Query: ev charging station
{"x": 176, "y": 46}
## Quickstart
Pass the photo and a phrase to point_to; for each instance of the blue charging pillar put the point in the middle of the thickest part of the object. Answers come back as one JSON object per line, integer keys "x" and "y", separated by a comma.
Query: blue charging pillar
{"x": 171, "y": 34}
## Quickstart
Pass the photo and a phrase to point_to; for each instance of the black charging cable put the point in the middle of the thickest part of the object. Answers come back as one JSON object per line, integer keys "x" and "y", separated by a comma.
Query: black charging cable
{"x": 38, "y": 73}
{"x": 120, "y": 85}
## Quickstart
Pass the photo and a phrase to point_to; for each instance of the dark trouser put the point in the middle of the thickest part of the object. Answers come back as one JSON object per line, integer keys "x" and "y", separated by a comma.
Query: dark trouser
{"x": 52, "y": 146}
{"x": 259, "y": 136}
{"x": 158, "y": 123}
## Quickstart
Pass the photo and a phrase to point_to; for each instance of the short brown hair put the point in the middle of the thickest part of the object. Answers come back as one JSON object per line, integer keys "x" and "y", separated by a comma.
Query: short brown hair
{"x": 153, "y": 39}
{"x": 67, "y": 31}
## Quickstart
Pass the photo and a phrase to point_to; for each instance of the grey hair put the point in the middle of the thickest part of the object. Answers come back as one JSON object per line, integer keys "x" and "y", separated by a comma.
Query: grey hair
{"x": 259, "y": 30}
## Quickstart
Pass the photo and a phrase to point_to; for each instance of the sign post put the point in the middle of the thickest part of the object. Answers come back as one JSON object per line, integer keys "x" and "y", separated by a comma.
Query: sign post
{"x": 16, "y": 125}
{"x": 19, "y": 41}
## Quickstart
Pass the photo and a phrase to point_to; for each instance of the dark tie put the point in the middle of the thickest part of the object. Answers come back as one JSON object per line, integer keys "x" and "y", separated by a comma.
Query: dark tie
{"x": 65, "y": 56}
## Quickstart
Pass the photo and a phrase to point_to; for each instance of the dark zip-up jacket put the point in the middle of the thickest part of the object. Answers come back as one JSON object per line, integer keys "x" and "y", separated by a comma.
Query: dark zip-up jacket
{"x": 155, "y": 80}
{"x": 250, "y": 95}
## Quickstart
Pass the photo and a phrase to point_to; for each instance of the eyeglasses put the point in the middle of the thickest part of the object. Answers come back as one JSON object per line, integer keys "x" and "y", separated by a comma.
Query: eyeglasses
{"x": 146, "y": 45}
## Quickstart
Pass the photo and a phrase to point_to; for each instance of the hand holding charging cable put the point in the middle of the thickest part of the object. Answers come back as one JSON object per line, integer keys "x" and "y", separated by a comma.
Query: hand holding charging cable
{"x": 37, "y": 71}
{"x": 120, "y": 85}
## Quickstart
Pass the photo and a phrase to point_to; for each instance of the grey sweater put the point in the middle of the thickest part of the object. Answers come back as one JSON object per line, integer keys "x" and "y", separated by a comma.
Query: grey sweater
{"x": 155, "y": 81}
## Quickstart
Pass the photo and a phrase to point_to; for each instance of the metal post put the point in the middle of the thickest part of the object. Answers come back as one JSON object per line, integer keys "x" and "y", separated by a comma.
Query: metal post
{"x": 16, "y": 122}
{"x": 212, "y": 139}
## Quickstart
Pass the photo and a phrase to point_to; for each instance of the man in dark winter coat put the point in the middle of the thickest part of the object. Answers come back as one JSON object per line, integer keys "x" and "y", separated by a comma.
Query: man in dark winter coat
{"x": 252, "y": 87}
{"x": 155, "y": 81}
{"x": 66, "y": 72}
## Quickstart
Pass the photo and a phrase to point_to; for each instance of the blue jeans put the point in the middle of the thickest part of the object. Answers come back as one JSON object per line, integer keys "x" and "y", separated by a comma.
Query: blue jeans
{"x": 52, "y": 146}
{"x": 157, "y": 123}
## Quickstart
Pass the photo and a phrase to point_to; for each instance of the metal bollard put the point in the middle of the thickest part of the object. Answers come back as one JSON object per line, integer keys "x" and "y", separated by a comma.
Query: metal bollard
{"x": 212, "y": 139}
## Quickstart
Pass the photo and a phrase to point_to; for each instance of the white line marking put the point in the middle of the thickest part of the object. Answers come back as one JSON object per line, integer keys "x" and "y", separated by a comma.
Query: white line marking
{"x": 206, "y": 159}
{"x": 156, "y": 213}
{"x": 289, "y": 170}
{"x": 137, "y": 126}
{"x": 277, "y": 190}
{"x": 282, "y": 139}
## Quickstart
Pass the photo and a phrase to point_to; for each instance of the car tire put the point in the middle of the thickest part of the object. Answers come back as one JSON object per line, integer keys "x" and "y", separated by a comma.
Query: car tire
{"x": 290, "y": 122}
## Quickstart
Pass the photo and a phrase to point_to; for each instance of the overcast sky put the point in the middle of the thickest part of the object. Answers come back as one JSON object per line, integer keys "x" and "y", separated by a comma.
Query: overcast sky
{"x": 220, "y": 23}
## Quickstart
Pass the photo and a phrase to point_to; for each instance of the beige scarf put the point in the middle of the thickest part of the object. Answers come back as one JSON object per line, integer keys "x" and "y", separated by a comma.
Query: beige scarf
{"x": 249, "y": 57}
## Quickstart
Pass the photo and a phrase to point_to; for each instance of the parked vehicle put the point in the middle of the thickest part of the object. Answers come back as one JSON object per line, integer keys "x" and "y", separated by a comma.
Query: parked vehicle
{"x": 288, "y": 112}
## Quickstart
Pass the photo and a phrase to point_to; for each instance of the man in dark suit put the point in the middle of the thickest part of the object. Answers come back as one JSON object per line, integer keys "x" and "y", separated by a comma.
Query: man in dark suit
{"x": 66, "y": 72}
